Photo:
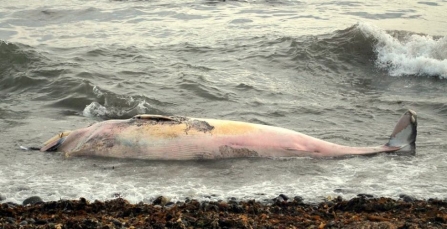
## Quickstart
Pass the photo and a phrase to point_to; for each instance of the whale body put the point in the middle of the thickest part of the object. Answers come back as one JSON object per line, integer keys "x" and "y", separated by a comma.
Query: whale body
{"x": 157, "y": 137}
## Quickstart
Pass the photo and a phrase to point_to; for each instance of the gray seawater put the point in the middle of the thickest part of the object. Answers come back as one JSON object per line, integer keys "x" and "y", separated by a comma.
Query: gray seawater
{"x": 342, "y": 71}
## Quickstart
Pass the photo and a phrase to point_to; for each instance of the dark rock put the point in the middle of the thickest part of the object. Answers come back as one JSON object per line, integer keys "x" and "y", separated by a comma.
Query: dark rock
{"x": 223, "y": 206}
{"x": 32, "y": 200}
{"x": 161, "y": 200}
{"x": 298, "y": 199}
{"x": 40, "y": 222}
{"x": 170, "y": 204}
{"x": 363, "y": 195}
{"x": 117, "y": 222}
{"x": 10, "y": 220}
{"x": 204, "y": 205}
{"x": 407, "y": 198}
{"x": 344, "y": 190}
{"x": 11, "y": 204}
{"x": 212, "y": 207}
{"x": 83, "y": 200}
{"x": 117, "y": 195}
{"x": 180, "y": 203}
{"x": 2, "y": 197}
{"x": 284, "y": 197}
{"x": 237, "y": 208}
{"x": 281, "y": 198}
{"x": 90, "y": 223}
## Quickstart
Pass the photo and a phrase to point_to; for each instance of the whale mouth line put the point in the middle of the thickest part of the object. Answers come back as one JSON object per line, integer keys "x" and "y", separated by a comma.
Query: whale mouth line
{"x": 56, "y": 146}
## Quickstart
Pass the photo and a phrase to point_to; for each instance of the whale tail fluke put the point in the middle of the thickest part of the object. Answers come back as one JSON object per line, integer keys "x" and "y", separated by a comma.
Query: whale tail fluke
{"x": 404, "y": 134}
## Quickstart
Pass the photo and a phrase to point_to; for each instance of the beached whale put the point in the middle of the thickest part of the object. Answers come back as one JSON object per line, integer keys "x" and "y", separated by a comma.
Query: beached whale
{"x": 156, "y": 137}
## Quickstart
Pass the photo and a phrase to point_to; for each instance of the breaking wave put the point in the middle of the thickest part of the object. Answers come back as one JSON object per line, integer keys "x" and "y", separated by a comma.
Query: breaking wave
{"x": 116, "y": 106}
{"x": 403, "y": 53}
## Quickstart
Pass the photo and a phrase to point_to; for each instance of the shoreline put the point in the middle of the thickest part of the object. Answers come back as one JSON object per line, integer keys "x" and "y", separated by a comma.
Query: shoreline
{"x": 363, "y": 211}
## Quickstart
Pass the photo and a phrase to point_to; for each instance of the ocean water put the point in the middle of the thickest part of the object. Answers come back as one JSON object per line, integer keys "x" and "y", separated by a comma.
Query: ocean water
{"x": 342, "y": 71}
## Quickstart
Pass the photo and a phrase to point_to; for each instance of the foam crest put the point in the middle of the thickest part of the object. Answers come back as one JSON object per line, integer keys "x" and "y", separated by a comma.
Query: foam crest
{"x": 410, "y": 54}
{"x": 116, "y": 106}
{"x": 95, "y": 109}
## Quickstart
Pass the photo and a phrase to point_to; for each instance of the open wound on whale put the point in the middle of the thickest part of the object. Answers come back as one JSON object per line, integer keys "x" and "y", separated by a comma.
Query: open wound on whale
{"x": 157, "y": 137}
{"x": 188, "y": 124}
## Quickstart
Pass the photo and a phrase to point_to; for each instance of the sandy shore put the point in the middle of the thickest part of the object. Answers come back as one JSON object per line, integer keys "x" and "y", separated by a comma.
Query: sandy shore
{"x": 360, "y": 212}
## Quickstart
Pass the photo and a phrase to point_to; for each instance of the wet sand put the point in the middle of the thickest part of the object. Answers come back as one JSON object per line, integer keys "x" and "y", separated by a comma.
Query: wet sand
{"x": 363, "y": 211}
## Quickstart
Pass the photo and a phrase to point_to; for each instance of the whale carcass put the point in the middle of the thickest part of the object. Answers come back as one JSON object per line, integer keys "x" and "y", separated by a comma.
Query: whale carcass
{"x": 157, "y": 137}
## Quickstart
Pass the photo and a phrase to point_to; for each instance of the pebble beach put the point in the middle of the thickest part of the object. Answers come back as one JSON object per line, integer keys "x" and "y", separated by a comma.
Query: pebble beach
{"x": 364, "y": 211}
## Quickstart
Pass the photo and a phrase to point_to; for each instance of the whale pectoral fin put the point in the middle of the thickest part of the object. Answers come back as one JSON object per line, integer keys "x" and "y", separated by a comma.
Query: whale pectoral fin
{"x": 154, "y": 117}
{"x": 53, "y": 143}
{"x": 404, "y": 133}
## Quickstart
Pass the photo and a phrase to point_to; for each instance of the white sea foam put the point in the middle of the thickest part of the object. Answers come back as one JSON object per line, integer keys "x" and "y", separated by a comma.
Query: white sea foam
{"x": 94, "y": 109}
{"x": 145, "y": 181}
{"x": 115, "y": 105}
{"x": 414, "y": 54}
{"x": 97, "y": 91}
